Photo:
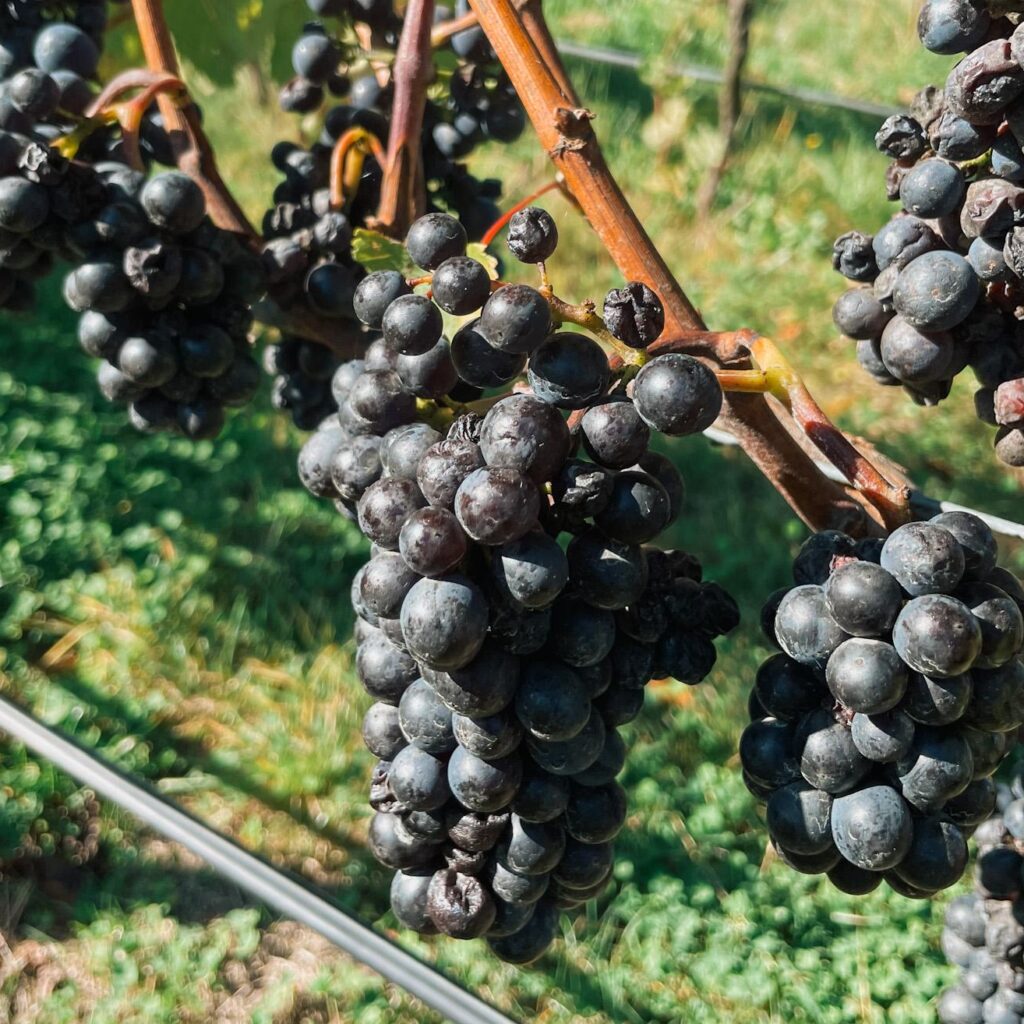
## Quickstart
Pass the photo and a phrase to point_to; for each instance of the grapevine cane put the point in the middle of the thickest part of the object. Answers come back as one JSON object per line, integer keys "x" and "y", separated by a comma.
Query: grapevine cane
{"x": 564, "y": 130}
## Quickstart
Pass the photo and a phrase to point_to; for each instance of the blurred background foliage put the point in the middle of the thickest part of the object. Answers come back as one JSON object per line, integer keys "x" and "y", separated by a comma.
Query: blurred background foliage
{"x": 183, "y": 608}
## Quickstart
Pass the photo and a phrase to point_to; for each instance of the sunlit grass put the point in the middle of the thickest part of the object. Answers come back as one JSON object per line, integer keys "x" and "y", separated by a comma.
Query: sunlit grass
{"x": 183, "y": 608}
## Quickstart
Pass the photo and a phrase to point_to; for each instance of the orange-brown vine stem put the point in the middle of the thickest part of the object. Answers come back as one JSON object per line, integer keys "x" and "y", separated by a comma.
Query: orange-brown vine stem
{"x": 403, "y": 194}
{"x": 192, "y": 150}
{"x": 443, "y": 32}
{"x": 776, "y": 376}
{"x": 564, "y": 130}
{"x": 536, "y": 26}
{"x": 355, "y": 140}
{"x": 127, "y": 81}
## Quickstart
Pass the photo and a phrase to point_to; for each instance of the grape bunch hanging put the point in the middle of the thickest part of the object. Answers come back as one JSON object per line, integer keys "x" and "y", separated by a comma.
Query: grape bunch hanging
{"x": 940, "y": 288}
{"x": 308, "y": 252}
{"x": 897, "y": 691}
{"x": 511, "y": 612}
{"x": 49, "y": 52}
{"x": 984, "y": 931}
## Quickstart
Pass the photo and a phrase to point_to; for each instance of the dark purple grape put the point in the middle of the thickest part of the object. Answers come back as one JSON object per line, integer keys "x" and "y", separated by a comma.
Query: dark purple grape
{"x": 569, "y": 370}
{"x": 479, "y": 363}
{"x": 551, "y": 702}
{"x": 521, "y": 432}
{"x": 866, "y": 676}
{"x": 884, "y": 738}
{"x": 936, "y": 291}
{"x": 444, "y": 621}
{"x": 435, "y": 238}
{"x": 532, "y": 571}
{"x": 799, "y": 819}
{"x": 804, "y": 628}
{"x": 431, "y": 542}
{"x": 497, "y": 505}
{"x": 375, "y": 293}
{"x": 486, "y": 686}
{"x": 532, "y": 235}
{"x": 863, "y": 599}
{"x": 412, "y": 325}
{"x": 607, "y": 574}
{"x": 829, "y": 759}
{"x": 952, "y": 26}
{"x": 614, "y": 435}
{"x": 461, "y": 285}
{"x": 634, "y": 315}
{"x": 444, "y": 466}
{"x": 484, "y": 786}
{"x": 515, "y": 319}
{"x": 872, "y": 828}
{"x": 937, "y": 636}
{"x": 677, "y": 395}
{"x": 425, "y": 721}
{"x": 384, "y": 508}
{"x": 459, "y": 905}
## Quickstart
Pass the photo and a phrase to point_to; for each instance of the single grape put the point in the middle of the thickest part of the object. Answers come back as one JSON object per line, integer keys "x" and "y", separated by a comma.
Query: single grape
{"x": 435, "y": 238}
{"x": 515, "y": 319}
{"x": 872, "y": 828}
{"x": 677, "y": 395}
{"x": 532, "y": 235}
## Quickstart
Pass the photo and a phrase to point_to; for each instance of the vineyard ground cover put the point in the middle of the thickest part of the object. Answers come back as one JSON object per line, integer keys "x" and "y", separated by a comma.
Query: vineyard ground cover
{"x": 154, "y": 617}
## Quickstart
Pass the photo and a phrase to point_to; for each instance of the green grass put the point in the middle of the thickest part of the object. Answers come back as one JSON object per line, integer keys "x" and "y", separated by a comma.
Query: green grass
{"x": 183, "y": 609}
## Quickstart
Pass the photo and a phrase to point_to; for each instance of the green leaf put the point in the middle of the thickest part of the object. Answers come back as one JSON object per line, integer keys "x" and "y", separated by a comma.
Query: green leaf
{"x": 475, "y": 251}
{"x": 375, "y": 251}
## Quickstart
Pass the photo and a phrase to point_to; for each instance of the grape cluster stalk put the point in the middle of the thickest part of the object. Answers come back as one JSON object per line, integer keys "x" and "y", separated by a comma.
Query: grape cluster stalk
{"x": 984, "y": 931}
{"x": 897, "y": 691}
{"x": 512, "y": 609}
{"x": 940, "y": 287}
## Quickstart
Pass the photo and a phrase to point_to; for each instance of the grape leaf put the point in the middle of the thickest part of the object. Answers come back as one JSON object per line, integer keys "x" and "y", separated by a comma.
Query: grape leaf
{"x": 375, "y": 251}
{"x": 475, "y": 251}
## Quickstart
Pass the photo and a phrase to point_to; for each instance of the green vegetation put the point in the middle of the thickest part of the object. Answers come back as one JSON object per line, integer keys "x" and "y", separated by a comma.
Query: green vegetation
{"x": 183, "y": 609}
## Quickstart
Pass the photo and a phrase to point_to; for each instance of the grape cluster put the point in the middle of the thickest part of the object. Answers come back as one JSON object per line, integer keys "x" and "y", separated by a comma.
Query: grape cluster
{"x": 481, "y": 103}
{"x": 308, "y": 250}
{"x": 940, "y": 287}
{"x": 320, "y": 57}
{"x": 308, "y": 254}
{"x": 48, "y": 51}
{"x": 49, "y": 54}
{"x": 984, "y": 932}
{"x": 165, "y": 300}
{"x": 501, "y": 662}
{"x": 897, "y": 691}
{"x": 302, "y": 372}
{"x": 49, "y": 57}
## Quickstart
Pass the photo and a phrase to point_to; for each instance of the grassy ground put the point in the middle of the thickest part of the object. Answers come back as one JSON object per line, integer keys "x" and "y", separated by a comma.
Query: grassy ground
{"x": 183, "y": 608}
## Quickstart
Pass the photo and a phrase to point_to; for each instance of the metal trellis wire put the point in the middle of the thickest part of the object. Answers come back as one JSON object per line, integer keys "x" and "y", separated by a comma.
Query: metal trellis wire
{"x": 266, "y": 884}
{"x": 702, "y": 73}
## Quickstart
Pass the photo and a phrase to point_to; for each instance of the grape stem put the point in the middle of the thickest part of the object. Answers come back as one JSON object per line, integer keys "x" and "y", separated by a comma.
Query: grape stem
{"x": 585, "y": 315}
{"x": 443, "y": 32}
{"x": 775, "y": 376}
{"x": 403, "y": 189}
{"x": 347, "y": 163}
{"x": 104, "y": 111}
{"x": 128, "y": 81}
{"x": 520, "y": 37}
{"x": 192, "y": 151}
